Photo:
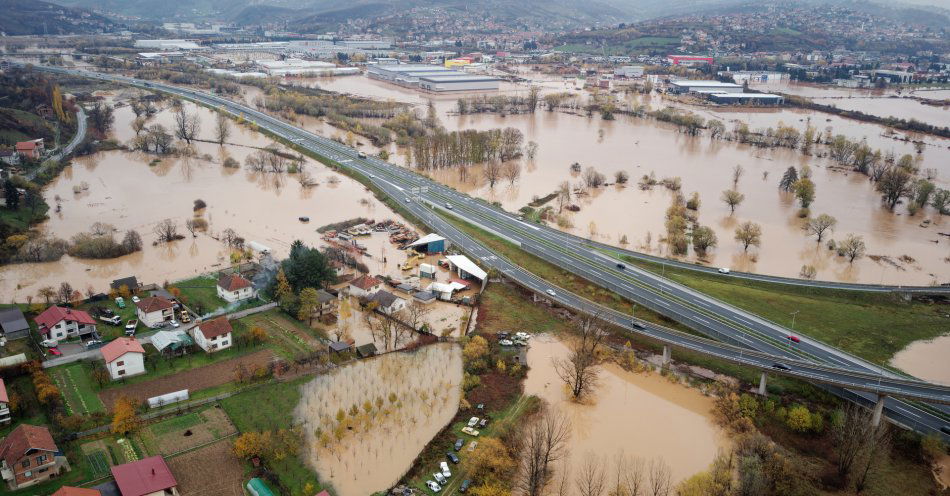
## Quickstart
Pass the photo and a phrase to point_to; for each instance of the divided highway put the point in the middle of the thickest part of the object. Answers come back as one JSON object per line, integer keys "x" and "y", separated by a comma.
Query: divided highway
{"x": 741, "y": 337}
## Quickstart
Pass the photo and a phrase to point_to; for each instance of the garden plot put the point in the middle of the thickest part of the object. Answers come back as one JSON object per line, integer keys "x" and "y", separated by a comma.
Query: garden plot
{"x": 196, "y": 479}
{"x": 104, "y": 453}
{"x": 365, "y": 422}
{"x": 80, "y": 397}
{"x": 187, "y": 431}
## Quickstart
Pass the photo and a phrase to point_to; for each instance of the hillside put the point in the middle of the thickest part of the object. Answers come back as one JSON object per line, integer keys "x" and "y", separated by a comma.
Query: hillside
{"x": 32, "y": 17}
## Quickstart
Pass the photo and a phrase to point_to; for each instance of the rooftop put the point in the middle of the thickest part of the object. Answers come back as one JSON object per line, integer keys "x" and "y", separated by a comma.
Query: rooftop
{"x": 153, "y": 304}
{"x": 54, "y": 314}
{"x": 145, "y": 476}
{"x": 215, "y": 327}
{"x": 120, "y": 346}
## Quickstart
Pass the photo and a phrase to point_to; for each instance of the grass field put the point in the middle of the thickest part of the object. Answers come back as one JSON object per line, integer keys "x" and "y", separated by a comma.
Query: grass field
{"x": 176, "y": 423}
{"x": 870, "y": 325}
{"x": 200, "y": 294}
{"x": 515, "y": 312}
{"x": 74, "y": 382}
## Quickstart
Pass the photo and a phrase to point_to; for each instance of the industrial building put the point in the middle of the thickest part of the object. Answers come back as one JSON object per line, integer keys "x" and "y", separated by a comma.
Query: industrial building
{"x": 746, "y": 98}
{"x": 688, "y": 60}
{"x": 756, "y": 76}
{"x": 693, "y": 86}
{"x": 298, "y": 67}
{"x": 177, "y": 45}
{"x": 629, "y": 71}
{"x": 432, "y": 77}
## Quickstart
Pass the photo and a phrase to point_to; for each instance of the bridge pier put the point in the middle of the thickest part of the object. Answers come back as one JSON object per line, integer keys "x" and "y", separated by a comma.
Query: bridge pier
{"x": 761, "y": 390}
{"x": 666, "y": 354}
{"x": 878, "y": 410}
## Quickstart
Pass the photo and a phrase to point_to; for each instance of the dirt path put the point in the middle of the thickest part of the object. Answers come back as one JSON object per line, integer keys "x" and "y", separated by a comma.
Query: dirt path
{"x": 194, "y": 380}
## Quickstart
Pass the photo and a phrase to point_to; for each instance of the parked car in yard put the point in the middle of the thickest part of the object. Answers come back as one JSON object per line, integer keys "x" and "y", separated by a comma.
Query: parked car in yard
{"x": 55, "y": 351}
{"x": 458, "y": 444}
{"x": 111, "y": 319}
{"x": 135, "y": 299}
{"x": 472, "y": 422}
{"x": 465, "y": 485}
{"x": 433, "y": 486}
{"x": 439, "y": 478}
{"x": 49, "y": 343}
{"x": 175, "y": 323}
{"x": 445, "y": 469}
{"x": 452, "y": 457}
{"x": 483, "y": 423}
{"x": 120, "y": 302}
{"x": 506, "y": 342}
{"x": 92, "y": 343}
{"x": 470, "y": 431}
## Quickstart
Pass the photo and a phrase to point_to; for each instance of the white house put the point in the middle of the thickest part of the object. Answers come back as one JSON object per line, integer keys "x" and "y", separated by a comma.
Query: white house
{"x": 387, "y": 302}
{"x": 61, "y": 322}
{"x": 365, "y": 286}
{"x": 155, "y": 310}
{"x": 4, "y": 404}
{"x": 213, "y": 335}
{"x": 233, "y": 288}
{"x": 124, "y": 357}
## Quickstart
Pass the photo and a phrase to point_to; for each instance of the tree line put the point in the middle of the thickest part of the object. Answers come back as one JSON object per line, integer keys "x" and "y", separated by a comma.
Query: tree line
{"x": 462, "y": 148}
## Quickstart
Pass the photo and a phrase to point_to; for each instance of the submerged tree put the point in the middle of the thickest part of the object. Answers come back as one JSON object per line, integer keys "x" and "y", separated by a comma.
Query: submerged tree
{"x": 581, "y": 368}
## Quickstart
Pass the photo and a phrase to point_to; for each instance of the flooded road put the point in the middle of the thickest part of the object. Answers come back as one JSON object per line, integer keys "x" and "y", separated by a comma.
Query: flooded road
{"x": 926, "y": 359}
{"x": 366, "y": 422}
{"x": 641, "y": 415}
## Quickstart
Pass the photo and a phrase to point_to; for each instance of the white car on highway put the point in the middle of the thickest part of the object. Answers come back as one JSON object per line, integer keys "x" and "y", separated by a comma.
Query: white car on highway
{"x": 551, "y": 292}
{"x": 724, "y": 270}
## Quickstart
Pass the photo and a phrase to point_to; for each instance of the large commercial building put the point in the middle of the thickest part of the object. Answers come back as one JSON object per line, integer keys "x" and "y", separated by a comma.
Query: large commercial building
{"x": 688, "y": 60}
{"x": 176, "y": 45}
{"x": 746, "y": 98}
{"x": 692, "y": 86}
{"x": 298, "y": 67}
{"x": 432, "y": 78}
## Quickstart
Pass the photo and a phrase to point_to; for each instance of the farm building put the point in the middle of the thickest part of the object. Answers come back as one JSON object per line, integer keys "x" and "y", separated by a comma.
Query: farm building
{"x": 430, "y": 243}
{"x": 387, "y": 302}
{"x": 76, "y": 491}
{"x": 171, "y": 343}
{"x": 124, "y": 357}
{"x": 427, "y": 271}
{"x": 466, "y": 268}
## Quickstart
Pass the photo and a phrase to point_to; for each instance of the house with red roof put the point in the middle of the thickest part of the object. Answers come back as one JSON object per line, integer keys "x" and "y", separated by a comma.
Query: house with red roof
{"x": 213, "y": 335}
{"x": 234, "y": 287}
{"x": 62, "y": 322}
{"x": 154, "y": 311}
{"x": 146, "y": 477}
{"x": 32, "y": 149}
{"x": 4, "y": 404}
{"x": 124, "y": 357}
{"x": 365, "y": 286}
{"x": 28, "y": 455}
{"x": 76, "y": 491}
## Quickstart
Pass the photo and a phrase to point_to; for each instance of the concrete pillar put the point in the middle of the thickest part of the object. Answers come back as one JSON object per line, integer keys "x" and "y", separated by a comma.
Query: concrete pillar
{"x": 878, "y": 410}
{"x": 666, "y": 354}
{"x": 761, "y": 390}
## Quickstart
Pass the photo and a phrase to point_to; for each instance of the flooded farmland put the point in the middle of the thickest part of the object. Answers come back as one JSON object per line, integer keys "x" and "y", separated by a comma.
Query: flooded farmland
{"x": 629, "y": 413}
{"x": 365, "y": 422}
{"x": 926, "y": 359}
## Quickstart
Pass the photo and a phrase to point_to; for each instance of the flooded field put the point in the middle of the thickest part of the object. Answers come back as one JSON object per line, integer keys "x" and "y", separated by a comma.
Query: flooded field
{"x": 630, "y": 413}
{"x": 130, "y": 191}
{"x": 366, "y": 422}
{"x": 444, "y": 318}
{"x": 926, "y": 359}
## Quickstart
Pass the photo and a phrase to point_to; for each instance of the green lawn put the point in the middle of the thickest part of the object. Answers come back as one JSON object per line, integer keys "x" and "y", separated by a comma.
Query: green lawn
{"x": 870, "y": 325}
{"x": 74, "y": 383}
{"x": 176, "y": 424}
{"x": 22, "y": 218}
{"x": 268, "y": 408}
{"x": 506, "y": 309}
{"x": 200, "y": 294}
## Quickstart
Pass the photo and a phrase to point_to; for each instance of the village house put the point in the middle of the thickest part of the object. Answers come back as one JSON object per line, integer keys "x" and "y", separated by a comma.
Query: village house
{"x": 29, "y": 456}
{"x": 364, "y": 286}
{"x": 32, "y": 149}
{"x": 154, "y": 311}
{"x": 124, "y": 357}
{"x": 234, "y": 287}
{"x": 60, "y": 323}
{"x": 146, "y": 477}
{"x": 9, "y": 157}
{"x": 13, "y": 323}
{"x": 326, "y": 303}
{"x": 76, "y": 491}
{"x": 387, "y": 302}
{"x": 4, "y": 404}
{"x": 213, "y": 335}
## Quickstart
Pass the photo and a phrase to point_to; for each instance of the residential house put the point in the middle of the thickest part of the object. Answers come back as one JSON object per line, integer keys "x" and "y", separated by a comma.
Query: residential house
{"x": 28, "y": 456}
{"x": 146, "y": 477}
{"x": 4, "y": 404}
{"x": 387, "y": 302}
{"x": 76, "y": 491}
{"x": 234, "y": 287}
{"x": 154, "y": 311}
{"x": 13, "y": 323}
{"x": 124, "y": 357}
{"x": 131, "y": 283}
{"x": 327, "y": 303}
{"x": 32, "y": 149}
{"x": 9, "y": 157}
{"x": 60, "y": 323}
{"x": 213, "y": 335}
{"x": 365, "y": 286}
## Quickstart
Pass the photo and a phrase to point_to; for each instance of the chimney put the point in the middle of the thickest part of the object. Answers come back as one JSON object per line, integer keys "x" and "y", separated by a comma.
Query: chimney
{"x": 153, "y": 470}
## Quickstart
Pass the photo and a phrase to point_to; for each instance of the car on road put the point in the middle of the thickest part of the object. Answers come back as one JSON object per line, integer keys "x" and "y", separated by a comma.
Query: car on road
{"x": 49, "y": 343}
{"x": 135, "y": 299}
{"x": 781, "y": 366}
{"x": 621, "y": 266}
{"x": 724, "y": 270}
{"x": 439, "y": 478}
{"x": 794, "y": 339}
{"x": 92, "y": 343}
{"x": 433, "y": 486}
{"x": 448, "y": 206}
{"x": 361, "y": 154}
{"x": 945, "y": 429}
{"x": 636, "y": 325}
{"x": 453, "y": 457}
{"x": 120, "y": 302}
{"x": 55, "y": 351}
{"x": 551, "y": 292}
{"x": 472, "y": 422}
{"x": 445, "y": 469}
{"x": 465, "y": 485}
{"x": 408, "y": 200}
{"x": 458, "y": 444}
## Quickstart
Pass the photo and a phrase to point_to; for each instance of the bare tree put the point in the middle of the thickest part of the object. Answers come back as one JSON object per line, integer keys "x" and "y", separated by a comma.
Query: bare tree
{"x": 749, "y": 234}
{"x": 563, "y": 195}
{"x": 382, "y": 327}
{"x": 633, "y": 474}
{"x": 580, "y": 369}
{"x": 543, "y": 442}
{"x": 853, "y": 247}
{"x": 166, "y": 230}
{"x": 737, "y": 172}
{"x": 660, "y": 478}
{"x": 593, "y": 179}
{"x": 306, "y": 178}
{"x": 512, "y": 171}
{"x": 186, "y": 125}
{"x": 222, "y": 128}
{"x": 416, "y": 315}
{"x": 732, "y": 198}
{"x": 492, "y": 171}
{"x": 859, "y": 446}
{"x": 562, "y": 487}
{"x": 196, "y": 224}
{"x": 101, "y": 228}
{"x": 592, "y": 479}
{"x": 531, "y": 150}
{"x": 819, "y": 225}
{"x": 65, "y": 293}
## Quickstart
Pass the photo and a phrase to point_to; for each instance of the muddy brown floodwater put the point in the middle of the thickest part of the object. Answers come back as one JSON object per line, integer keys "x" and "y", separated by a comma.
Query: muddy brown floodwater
{"x": 125, "y": 190}
{"x": 926, "y": 359}
{"x": 641, "y": 415}
{"x": 366, "y": 422}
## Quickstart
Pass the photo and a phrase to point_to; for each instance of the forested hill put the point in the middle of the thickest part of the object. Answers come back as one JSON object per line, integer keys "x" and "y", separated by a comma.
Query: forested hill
{"x": 35, "y": 17}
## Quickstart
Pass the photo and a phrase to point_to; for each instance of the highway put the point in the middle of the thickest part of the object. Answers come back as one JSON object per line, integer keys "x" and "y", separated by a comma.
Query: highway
{"x": 741, "y": 337}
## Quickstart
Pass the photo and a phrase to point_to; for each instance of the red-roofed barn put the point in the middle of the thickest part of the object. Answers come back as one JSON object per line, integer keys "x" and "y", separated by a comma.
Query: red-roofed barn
{"x": 124, "y": 357}
{"x": 62, "y": 322}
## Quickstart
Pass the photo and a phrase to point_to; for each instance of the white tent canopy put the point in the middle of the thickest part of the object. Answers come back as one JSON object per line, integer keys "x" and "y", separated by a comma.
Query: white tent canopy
{"x": 428, "y": 238}
{"x": 464, "y": 263}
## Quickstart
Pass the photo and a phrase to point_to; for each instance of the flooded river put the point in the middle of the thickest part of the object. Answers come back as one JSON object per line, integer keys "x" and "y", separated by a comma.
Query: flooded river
{"x": 366, "y": 422}
{"x": 641, "y": 415}
{"x": 926, "y": 359}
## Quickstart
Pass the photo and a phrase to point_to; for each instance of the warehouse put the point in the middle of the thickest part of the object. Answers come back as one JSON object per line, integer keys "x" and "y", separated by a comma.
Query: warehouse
{"x": 690, "y": 86}
{"x": 454, "y": 82}
{"x": 747, "y": 98}
{"x": 401, "y": 72}
{"x": 167, "y": 44}
{"x": 298, "y": 67}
